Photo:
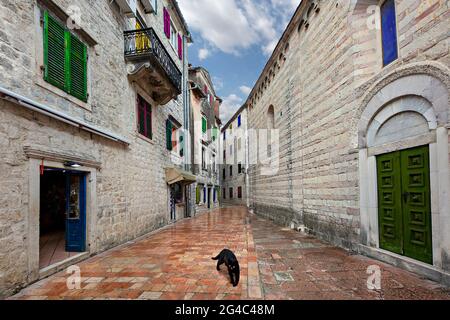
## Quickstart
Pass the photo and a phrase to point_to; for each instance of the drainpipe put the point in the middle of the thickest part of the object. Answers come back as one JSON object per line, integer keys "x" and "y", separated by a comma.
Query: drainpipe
{"x": 187, "y": 142}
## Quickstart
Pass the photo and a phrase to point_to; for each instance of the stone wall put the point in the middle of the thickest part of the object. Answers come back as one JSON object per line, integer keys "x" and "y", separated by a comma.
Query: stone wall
{"x": 131, "y": 192}
{"x": 315, "y": 81}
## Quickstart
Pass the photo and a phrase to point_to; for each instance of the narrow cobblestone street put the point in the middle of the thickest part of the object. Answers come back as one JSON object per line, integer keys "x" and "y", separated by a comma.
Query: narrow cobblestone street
{"x": 276, "y": 263}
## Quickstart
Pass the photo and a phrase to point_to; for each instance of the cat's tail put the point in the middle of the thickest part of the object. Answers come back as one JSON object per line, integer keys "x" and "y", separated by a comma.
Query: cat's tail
{"x": 216, "y": 258}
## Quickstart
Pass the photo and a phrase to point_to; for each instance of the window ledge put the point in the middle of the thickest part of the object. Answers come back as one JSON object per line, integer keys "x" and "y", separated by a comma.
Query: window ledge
{"x": 45, "y": 85}
{"x": 142, "y": 137}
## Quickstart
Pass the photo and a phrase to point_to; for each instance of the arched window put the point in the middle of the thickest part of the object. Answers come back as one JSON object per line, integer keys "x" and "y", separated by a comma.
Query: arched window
{"x": 271, "y": 118}
{"x": 270, "y": 127}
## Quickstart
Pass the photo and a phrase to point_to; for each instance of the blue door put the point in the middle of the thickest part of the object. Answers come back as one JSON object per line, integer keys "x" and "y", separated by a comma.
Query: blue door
{"x": 75, "y": 212}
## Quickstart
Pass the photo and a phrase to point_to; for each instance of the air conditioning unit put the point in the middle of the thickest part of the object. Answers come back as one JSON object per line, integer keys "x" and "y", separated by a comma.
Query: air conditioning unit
{"x": 149, "y": 5}
{"x": 128, "y": 7}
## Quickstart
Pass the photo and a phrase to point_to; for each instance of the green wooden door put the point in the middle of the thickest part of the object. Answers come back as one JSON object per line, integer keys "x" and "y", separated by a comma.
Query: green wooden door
{"x": 416, "y": 204}
{"x": 390, "y": 202}
{"x": 404, "y": 203}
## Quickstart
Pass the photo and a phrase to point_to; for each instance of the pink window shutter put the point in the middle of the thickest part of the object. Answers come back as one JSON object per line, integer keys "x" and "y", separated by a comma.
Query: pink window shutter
{"x": 180, "y": 47}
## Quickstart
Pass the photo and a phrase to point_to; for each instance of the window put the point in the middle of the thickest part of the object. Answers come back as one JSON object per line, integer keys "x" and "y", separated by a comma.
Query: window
{"x": 204, "y": 194}
{"x": 231, "y": 150}
{"x": 173, "y": 36}
{"x": 240, "y": 192}
{"x": 181, "y": 139}
{"x": 224, "y": 193}
{"x": 197, "y": 194}
{"x": 231, "y": 193}
{"x": 389, "y": 32}
{"x": 203, "y": 158}
{"x": 224, "y": 173}
{"x": 239, "y": 168}
{"x": 204, "y": 126}
{"x": 172, "y": 136}
{"x": 144, "y": 118}
{"x": 215, "y": 133}
{"x": 65, "y": 59}
{"x": 224, "y": 156}
{"x": 224, "y": 136}
{"x": 231, "y": 171}
{"x": 239, "y": 121}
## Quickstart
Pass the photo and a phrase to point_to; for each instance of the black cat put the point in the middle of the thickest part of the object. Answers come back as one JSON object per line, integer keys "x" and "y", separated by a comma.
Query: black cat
{"x": 230, "y": 260}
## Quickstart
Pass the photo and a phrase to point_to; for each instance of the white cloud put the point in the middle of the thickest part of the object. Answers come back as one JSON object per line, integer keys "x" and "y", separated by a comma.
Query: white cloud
{"x": 203, "y": 54}
{"x": 234, "y": 25}
{"x": 218, "y": 83}
{"x": 245, "y": 90}
{"x": 229, "y": 106}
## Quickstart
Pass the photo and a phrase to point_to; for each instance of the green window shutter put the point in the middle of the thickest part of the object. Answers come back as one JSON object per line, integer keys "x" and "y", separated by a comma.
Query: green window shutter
{"x": 197, "y": 195}
{"x": 78, "y": 68}
{"x": 181, "y": 145}
{"x": 169, "y": 134}
{"x": 54, "y": 53}
{"x": 204, "y": 125}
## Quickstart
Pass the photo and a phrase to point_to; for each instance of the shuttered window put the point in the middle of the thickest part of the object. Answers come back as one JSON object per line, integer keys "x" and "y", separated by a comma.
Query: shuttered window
{"x": 144, "y": 118}
{"x": 172, "y": 137}
{"x": 180, "y": 47}
{"x": 169, "y": 128}
{"x": 197, "y": 195}
{"x": 204, "y": 125}
{"x": 166, "y": 23}
{"x": 65, "y": 59}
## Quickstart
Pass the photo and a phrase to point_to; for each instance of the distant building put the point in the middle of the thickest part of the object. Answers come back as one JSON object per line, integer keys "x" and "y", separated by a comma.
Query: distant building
{"x": 234, "y": 169}
{"x": 205, "y": 130}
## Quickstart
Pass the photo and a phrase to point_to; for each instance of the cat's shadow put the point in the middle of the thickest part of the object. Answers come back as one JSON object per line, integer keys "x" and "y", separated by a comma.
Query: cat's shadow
{"x": 224, "y": 273}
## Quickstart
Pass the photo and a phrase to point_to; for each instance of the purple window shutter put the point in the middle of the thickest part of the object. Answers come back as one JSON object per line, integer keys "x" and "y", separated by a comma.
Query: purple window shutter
{"x": 167, "y": 23}
{"x": 165, "y": 20}
{"x": 180, "y": 47}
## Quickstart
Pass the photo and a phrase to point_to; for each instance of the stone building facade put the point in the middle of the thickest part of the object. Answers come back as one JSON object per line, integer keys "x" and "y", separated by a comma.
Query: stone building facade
{"x": 234, "y": 169}
{"x": 205, "y": 124}
{"x": 358, "y": 95}
{"x": 105, "y": 143}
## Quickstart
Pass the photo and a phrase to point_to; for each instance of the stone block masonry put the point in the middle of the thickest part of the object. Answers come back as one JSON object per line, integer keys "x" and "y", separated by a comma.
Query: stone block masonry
{"x": 316, "y": 80}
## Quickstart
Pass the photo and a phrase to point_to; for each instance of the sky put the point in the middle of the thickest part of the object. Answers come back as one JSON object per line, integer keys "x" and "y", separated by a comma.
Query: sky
{"x": 233, "y": 39}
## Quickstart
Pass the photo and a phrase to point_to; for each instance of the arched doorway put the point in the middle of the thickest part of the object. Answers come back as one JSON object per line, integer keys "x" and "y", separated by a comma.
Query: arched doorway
{"x": 403, "y": 147}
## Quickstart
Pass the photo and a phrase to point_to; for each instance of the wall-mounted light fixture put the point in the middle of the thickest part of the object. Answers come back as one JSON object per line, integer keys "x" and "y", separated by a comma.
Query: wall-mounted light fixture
{"x": 72, "y": 164}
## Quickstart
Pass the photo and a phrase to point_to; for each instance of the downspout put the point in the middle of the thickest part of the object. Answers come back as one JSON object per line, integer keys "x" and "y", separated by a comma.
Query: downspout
{"x": 187, "y": 149}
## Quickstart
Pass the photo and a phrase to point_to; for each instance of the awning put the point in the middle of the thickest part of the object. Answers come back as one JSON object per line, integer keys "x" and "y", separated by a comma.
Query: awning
{"x": 174, "y": 175}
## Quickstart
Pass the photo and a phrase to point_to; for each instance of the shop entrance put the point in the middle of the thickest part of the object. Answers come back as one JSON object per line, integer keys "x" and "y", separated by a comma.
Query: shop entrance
{"x": 62, "y": 215}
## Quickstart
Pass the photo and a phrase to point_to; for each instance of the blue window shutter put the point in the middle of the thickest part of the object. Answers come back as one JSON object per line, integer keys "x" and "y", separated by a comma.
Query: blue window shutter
{"x": 389, "y": 32}
{"x": 239, "y": 120}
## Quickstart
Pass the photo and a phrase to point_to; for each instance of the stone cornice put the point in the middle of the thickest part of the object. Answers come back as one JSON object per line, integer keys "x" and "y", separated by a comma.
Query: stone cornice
{"x": 61, "y": 157}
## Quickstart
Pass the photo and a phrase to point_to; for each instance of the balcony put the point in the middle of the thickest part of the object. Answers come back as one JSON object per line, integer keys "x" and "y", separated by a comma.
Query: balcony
{"x": 150, "y": 65}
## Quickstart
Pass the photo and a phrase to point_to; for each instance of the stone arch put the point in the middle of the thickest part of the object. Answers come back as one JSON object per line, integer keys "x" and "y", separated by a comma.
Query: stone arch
{"x": 430, "y": 82}
{"x": 406, "y": 117}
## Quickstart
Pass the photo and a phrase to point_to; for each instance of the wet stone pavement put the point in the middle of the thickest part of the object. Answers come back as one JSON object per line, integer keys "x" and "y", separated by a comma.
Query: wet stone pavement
{"x": 175, "y": 263}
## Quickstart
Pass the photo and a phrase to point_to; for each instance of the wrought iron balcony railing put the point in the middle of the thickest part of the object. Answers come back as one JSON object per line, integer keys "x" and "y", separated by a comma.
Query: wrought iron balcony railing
{"x": 145, "y": 44}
